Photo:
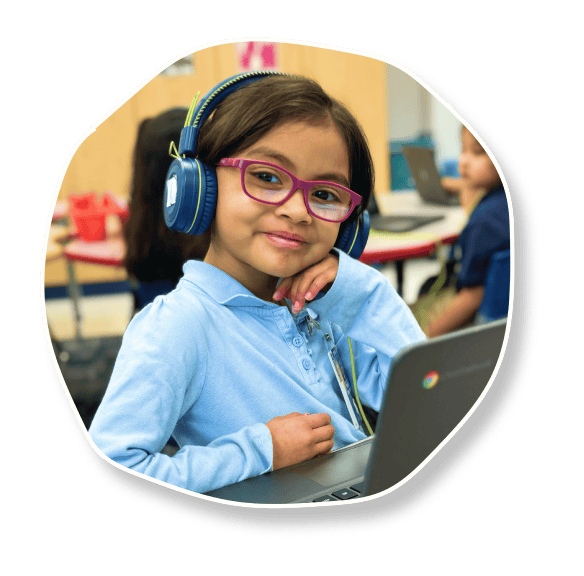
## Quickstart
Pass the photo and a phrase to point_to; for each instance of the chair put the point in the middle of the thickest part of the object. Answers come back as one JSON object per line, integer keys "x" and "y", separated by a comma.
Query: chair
{"x": 145, "y": 292}
{"x": 495, "y": 303}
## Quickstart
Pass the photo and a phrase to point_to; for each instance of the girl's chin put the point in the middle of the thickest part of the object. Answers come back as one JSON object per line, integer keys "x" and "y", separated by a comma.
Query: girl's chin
{"x": 287, "y": 269}
{"x": 284, "y": 263}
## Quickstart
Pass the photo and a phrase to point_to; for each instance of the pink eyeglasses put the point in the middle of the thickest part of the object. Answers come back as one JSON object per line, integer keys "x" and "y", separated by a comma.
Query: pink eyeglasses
{"x": 271, "y": 184}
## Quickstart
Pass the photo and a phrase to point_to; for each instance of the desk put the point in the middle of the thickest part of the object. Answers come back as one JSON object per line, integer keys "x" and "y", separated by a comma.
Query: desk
{"x": 388, "y": 247}
{"x": 109, "y": 252}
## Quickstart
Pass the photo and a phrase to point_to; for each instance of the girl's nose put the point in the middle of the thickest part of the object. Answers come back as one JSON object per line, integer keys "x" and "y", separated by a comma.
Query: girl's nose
{"x": 462, "y": 161}
{"x": 294, "y": 208}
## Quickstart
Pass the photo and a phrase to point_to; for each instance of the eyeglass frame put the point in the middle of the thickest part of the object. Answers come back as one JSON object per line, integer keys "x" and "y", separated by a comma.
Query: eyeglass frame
{"x": 297, "y": 183}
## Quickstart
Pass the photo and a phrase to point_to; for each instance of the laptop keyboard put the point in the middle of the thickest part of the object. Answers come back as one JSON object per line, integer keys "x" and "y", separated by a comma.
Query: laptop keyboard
{"x": 343, "y": 494}
{"x": 402, "y": 223}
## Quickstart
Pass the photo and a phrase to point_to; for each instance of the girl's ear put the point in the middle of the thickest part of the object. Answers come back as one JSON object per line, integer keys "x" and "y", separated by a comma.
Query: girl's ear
{"x": 190, "y": 196}
{"x": 353, "y": 236}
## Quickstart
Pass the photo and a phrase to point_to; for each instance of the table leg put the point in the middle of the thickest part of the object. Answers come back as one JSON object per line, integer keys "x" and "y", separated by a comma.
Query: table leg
{"x": 75, "y": 294}
{"x": 399, "y": 267}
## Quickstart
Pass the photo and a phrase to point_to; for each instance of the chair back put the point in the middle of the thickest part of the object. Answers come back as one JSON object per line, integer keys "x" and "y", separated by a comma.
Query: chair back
{"x": 495, "y": 303}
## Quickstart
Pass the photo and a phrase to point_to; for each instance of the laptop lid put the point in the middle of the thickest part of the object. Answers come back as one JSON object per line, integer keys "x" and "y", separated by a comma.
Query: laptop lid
{"x": 431, "y": 387}
{"x": 426, "y": 177}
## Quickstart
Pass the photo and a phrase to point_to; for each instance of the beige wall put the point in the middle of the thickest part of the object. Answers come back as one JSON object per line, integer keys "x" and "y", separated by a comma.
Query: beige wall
{"x": 103, "y": 161}
{"x": 359, "y": 83}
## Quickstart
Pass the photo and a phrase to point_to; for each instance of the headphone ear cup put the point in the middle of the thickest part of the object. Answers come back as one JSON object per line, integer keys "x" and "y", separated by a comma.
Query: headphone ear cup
{"x": 190, "y": 196}
{"x": 354, "y": 237}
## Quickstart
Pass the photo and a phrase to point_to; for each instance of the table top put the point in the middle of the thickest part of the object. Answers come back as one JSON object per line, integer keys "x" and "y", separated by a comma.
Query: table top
{"x": 387, "y": 246}
{"x": 108, "y": 252}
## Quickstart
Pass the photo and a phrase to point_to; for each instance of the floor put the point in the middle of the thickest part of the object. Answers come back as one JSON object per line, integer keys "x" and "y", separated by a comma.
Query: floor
{"x": 109, "y": 315}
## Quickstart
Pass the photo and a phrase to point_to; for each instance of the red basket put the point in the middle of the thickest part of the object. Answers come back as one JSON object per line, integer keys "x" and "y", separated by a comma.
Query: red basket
{"x": 87, "y": 216}
{"x": 89, "y": 211}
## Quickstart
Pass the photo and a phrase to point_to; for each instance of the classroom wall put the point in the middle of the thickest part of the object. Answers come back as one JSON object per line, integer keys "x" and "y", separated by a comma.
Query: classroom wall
{"x": 446, "y": 131}
{"x": 413, "y": 110}
{"x": 103, "y": 161}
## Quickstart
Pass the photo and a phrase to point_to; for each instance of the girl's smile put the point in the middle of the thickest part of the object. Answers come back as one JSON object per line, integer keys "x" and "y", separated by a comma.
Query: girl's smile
{"x": 285, "y": 239}
{"x": 258, "y": 243}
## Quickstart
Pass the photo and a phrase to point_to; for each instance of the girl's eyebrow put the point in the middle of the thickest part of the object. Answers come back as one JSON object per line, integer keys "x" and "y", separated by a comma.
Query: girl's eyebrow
{"x": 285, "y": 162}
{"x": 272, "y": 154}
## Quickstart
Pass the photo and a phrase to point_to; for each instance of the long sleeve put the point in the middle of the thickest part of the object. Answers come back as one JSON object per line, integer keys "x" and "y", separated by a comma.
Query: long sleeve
{"x": 158, "y": 376}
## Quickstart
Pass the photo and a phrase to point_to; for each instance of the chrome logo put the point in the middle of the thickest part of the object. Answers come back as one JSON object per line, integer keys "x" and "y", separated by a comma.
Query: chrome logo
{"x": 430, "y": 380}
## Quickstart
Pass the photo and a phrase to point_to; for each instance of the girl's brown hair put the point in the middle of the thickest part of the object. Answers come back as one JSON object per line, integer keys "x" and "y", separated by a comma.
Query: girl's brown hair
{"x": 154, "y": 252}
{"x": 249, "y": 113}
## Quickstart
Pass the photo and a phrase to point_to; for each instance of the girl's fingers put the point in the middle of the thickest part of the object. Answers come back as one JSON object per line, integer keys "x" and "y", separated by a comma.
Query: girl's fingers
{"x": 308, "y": 283}
{"x": 299, "y": 289}
{"x": 283, "y": 289}
{"x": 319, "y": 283}
{"x": 313, "y": 280}
{"x": 303, "y": 280}
{"x": 323, "y": 448}
{"x": 323, "y": 434}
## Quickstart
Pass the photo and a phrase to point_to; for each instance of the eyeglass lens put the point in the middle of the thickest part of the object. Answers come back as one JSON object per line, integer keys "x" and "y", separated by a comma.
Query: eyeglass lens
{"x": 271, "y": 185}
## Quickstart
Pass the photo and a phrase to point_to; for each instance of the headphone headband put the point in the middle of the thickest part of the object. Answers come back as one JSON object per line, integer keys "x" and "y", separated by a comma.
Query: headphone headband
{"x": 196, "y": 118}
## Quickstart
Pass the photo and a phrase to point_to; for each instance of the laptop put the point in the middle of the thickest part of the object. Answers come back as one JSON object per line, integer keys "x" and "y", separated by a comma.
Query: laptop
{"x": 431, "y": 387}
{"x": 397, "y": 223}
{"x": 426, "y": 177}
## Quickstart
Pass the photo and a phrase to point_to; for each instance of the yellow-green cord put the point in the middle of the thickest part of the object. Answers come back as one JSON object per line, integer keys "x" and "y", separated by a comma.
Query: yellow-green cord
{"x": 192, "y": 109}
{"x": 354, "y": 376}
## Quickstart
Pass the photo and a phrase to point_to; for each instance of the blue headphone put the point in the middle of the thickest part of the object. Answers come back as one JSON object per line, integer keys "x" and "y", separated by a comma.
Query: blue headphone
{"x": 190, "y": 194}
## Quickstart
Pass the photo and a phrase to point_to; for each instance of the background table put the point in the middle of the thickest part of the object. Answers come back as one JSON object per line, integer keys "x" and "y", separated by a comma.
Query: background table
{"x": 385, "y": 247}
{"x": 109, "y": 252}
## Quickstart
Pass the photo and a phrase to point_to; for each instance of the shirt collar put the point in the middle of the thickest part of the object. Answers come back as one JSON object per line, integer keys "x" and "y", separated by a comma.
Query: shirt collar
{"x": 220, "y": 286}
{"x": 499, "y": 189}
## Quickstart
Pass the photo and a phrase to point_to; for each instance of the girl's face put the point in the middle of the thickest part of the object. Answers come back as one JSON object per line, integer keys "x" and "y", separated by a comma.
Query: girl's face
{"x": 257, "y": 243}
{"x": 474, "y": 164}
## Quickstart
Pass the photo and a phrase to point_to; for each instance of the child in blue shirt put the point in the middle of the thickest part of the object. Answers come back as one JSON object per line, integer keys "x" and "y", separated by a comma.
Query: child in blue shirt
{"x": 486, "y": 232}
{"x": 234, "y": 364}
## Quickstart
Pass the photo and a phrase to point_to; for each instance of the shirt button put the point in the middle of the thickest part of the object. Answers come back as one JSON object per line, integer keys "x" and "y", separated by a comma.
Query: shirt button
{"x": 306, "y": 364}
{"x": 297, "y": 341}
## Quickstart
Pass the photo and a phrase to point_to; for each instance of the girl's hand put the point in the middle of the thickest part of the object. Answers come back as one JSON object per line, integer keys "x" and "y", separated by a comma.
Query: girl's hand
{"x": 298, "y": 437}
{"x": 308, "y": 283}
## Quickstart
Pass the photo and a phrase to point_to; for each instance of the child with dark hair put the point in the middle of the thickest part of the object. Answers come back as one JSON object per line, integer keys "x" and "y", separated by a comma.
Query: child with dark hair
{"x": 486, "y": 232}
{"x": 155, "y": 254}
{"x": 236, "y": 364}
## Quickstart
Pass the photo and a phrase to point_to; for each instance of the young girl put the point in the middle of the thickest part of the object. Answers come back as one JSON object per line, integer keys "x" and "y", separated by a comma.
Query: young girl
{"x": 486, "y": 232}
{"x": 235, "y": 363}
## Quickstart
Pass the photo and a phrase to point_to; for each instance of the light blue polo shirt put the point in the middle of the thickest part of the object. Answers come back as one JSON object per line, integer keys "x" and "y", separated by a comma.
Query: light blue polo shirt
{"x": 210, "y": 364}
